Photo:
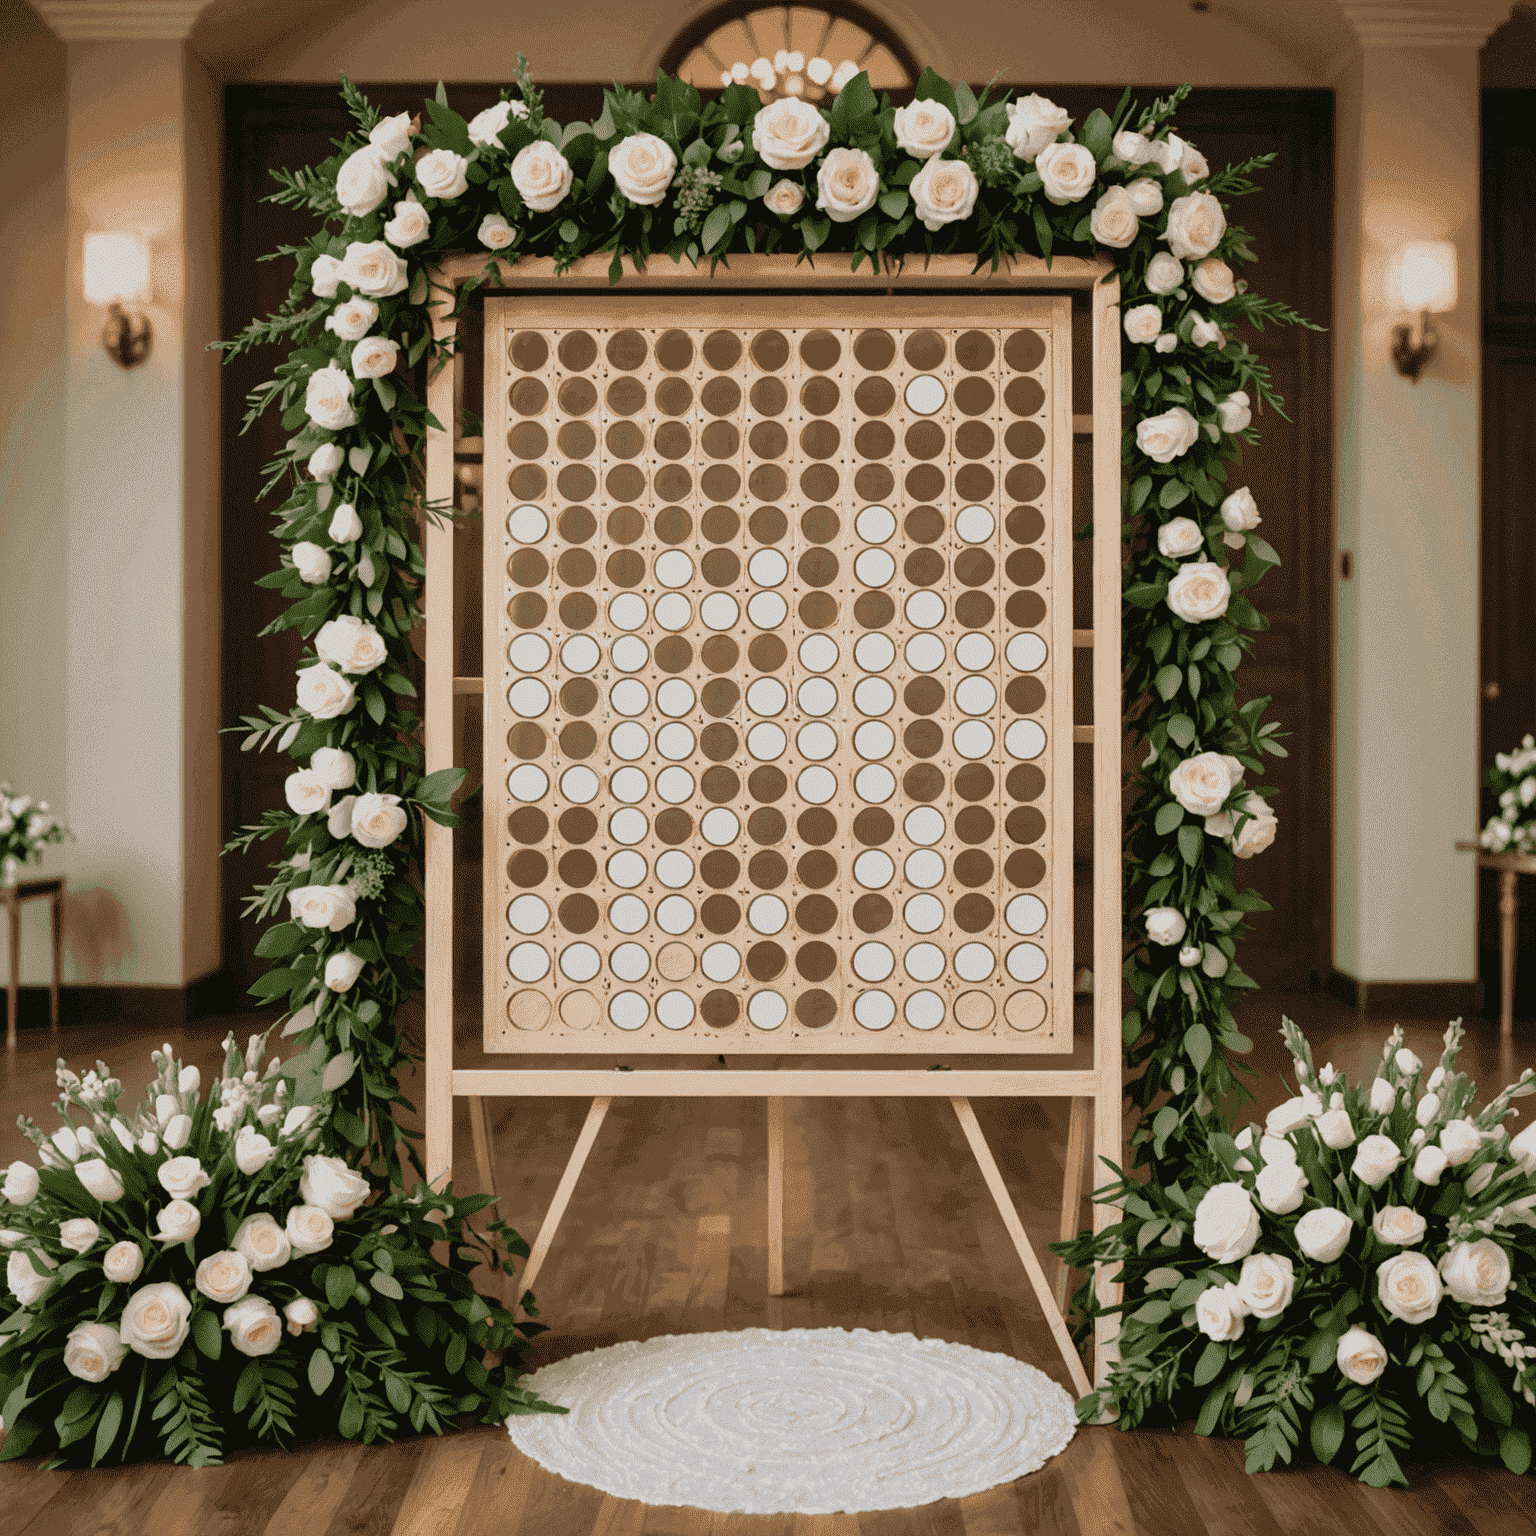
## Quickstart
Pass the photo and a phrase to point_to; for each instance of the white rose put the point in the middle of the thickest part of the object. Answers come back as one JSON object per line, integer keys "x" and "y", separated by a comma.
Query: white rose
{"x": 1335, "y": 1129}
{"x": 374, "y": 357}
{"x": 784, "y": 197}
{"x": 79, "y": 1235}
{"x": 1202, "y": 783}
{"x": 1167, "y": 154}
{"x": 1266, "y": 1283}
{"x": 339, "y": 822}
{"x": 324, "y": 693}
{"x": 336, "y": 1189}
{"x": 372, "y": 268}
{"x": 21, "y": 1183}
{"x": 311, "y": 562}
{"x": 1195, "y": 226}
{"x": 1146, "y": 199}
{"x": 92, "y": 1351}
{"x": 1234, "y": 412}
{"x": 1114, "y": 222}
{"x": 643, "y": 167}
{"x": 342, "y": 970}
{"x": 1194, "y": 165}
{"x": 943, "y": 192}
{"x": 542, "y": 176}
{"x": 1164, "y": 273}
{"x": 1383, "y": 1097}
{"x": 1033, "y": 124}
{"x": 123, "y": 1263}
{"x": 1067, "y": 172}
{"x": 788, "y": 134}
{"x": 301, "y": 1314}
{"x": 328, "y": 399}
{"x": 324, "y": 275}
{"x": 1219, "y": 1313}
{"x": 1226, "y": 1224}
{"x": 1199, "y": 591}
{"x": 1277, "y": 1151}
{"x": 1143, "y": 323}
{"x": 1435, "y": 1079}
{"x": 351, "y": 322}
{"x": 1323, "y": 1234}
{"x": 410, "y": 225}
{"x": 309, "y": 1229}
{"x": 495, "y": 234}
{"x": 392, "y": 135}
{"x": 1190, "y": 955}
{"x": 441, "y": 174}
{"x": 1240, "y": 512}
{"x": 156, "y": 1321}
{"x": 1427, "y": 1108}
{"x": 224, "y": 1277}
{"x": 346, "y": 525}
{"x": 1280, "y": 1187}
{"x": 1409, "y": 1287}
{"x": 177, "y": 1132}
{"x": 182, "y": 1177}
{"x": 922, "y": 129}
{"x": 363, "y": 182}
{"x": 65, "y": 1143}
{"x": 326, "y": 460}
{"x": 351, "y": 644}
{"x": 1165, "y": 925}
{"x": 334, "y": 768}
{"x": 255, "y": 1329}
{"x": 1167, "y": 437}
{"x": 1362, "y": 1357}
{"x": 189, "y": 1080}
{"x": 98, "y": 1179}
{"x": 1399, "y": 1226}
{"x": 847, "y": 184}
{"x": 305, "y": 793}
{"x": 377, "y": 820}
{"x": 1376, "y": 1160}
{"x": 1429, "y": 1165}
{"x": 11, "y": 1238}
{"x": 262, "y": 1242}
{"x": 299, "y": 1120}
{"x": 1292, "y": 1114}
{"x": 1522, "y": 1149}
{"x": 322, "y": 906}
{"x": 1134, "y": 148}
{"x": 1477, "y": 1274}
{"x": 1205, "y": 333}
{"x": 23, "y": 1279}
{"x": 1460, "y": 1141}
{"x": 149, "y": 1144}
{"x": 1258, "y": 831}
{"x": 1213, "y": 281}
{"x": 252, "y": 1150}
{"x": 485, "y": 127}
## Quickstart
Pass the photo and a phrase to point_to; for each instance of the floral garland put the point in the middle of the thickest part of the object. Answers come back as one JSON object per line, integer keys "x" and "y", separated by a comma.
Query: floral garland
{"x": 27, "y": 826}
{"x": 1512, "y": 828}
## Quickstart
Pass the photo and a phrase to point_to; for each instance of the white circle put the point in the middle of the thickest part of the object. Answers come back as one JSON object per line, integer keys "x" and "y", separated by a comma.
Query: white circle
{"x": 1026, "y": 962}
{"x": 925, "y": 653}
{"x": 674, "y": 568}
{"x": 674, "y": 869}
{"x": 674, "y": 1010}
{"x": 629, "y": 653}
{"x": 767, "y": 568}
{"x": 924, "y": 962}
{"x": 816, "y": 742}
{"x": 873, "y": 740}
{"x": 627, "y": 611}
{"x": 873, "y": 961}
{"x": 818, "y": 653}
{"x": 767, "y": 914}
{"x": 924, "y": 1010}
{"x": 674, "y": 914}
{"x": 720, "y": 826}
{"x": 629, "y": 1010}
{"x": 527, "y": 524}
{"x": 675, "y": 697}
{"x": 628, "y": 826}
{"x": 874, "y": 1010}
{"x": 766, "y": 1009}
{"x": 973, "y": 739}
{"x": 629, "y": 741}
{"x": 673, "y": 611}
{"x": 629, "y": 785}
{"x": 626, "y": 869}
{"x": 720, "y": 962}
{"x": 873, "y": 869}
{"x": 874, "y": 783}
{"x": 1026, "y": 653}
{"x": 629, "y": 696}
{"x": 528, "y": 914}
{"x": 923, "y": 914}
{"x": 925, "y": 609}
{"x": 529, "y": 652}
{"x": 925, "y": 394}
{"x": 1025, "y": 739}
{"x": 974, "y": 651}
{"x": 765, "y": 741}
{"x": 974, "y": 962}
{"x": 718, "y": 610}
{"x": 528, "y": 783}
{"x": 528, "y": 962}
{"x": 580, "y": 962}
{"x": 875, "y": 525}
{"x": 873, "y": 696}
{"x": 580, "y": 653}
{"x": 674, "y": 785}
{"x": 816, "y": 785}
{"x": 580, "y": 785}
{"x": 924, "y": 868}
{"x": 629, "y": 962}
{"x": 874, "y": 567}
{"x": 974, "y": 524}
{"x": 874, "y": 651}
{"x": 629, "y": 914}
{"x": 766, "y": 696}
{"x": 766, "y": 609}
{"x": 1026, "y": 914}
{"x": 816, "y": 696}
{"x": 924, "y": 825}
{"x": 674, "y": 741}
{"x": 975, "y": 695}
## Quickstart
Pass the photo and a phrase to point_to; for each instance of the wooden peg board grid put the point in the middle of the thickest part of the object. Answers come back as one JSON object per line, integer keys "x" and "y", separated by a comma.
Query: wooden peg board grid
{"x": 682, "y": 475}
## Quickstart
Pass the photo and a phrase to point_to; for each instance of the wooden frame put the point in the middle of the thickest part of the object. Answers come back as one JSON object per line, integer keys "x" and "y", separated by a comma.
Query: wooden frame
{"x": 1099, "y": 1079}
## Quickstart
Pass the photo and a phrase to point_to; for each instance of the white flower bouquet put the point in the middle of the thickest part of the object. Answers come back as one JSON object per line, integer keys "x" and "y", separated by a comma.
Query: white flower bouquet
{"x": 27, "y": 826}
{"x": 1361, "y": 1268}
{"x": 191, "y": 1275}
{"x": 1512, "y": 828}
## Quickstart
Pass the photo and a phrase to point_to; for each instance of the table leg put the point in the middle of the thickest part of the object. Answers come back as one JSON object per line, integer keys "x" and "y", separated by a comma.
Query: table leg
{"x": 56, "y": 929}
{"x": 1509, "y": 925}
{"x": 13, "y": 989}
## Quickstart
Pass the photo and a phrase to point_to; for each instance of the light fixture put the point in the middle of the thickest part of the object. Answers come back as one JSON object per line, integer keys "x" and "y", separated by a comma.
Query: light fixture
{"x": 1426, "y": 281}
{"x": 115, "y": 273}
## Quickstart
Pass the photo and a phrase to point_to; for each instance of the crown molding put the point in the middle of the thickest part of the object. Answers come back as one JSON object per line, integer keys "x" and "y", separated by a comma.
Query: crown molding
{"x": 1407, "y": 24}
{"x": 120, "y": 21}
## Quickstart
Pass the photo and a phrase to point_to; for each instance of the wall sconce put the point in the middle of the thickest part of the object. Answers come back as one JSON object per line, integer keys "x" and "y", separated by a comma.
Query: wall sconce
{"x": 116, "y": 272}
{"x": 1426, "y": 279}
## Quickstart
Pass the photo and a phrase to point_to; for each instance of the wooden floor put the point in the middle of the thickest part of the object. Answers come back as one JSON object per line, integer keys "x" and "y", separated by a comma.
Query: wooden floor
{"x": 887, "y": 1226}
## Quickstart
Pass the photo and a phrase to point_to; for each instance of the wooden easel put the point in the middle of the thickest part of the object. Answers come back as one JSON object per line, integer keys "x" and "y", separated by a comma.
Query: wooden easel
{"x": 1097, "y": 1082}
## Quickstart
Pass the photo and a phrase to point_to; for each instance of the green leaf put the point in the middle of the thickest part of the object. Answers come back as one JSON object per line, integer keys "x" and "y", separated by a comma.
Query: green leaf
{"x": 1197, "y": 1046}
{"x": 245, "y": 1388}
{"x": 1141, "y": 488}
{"x": 1181, "y": 729}
{"x": 1191, "y": 843}
{"x": 1515, "y": 1451}
{"x": 321, "y": 1372}
{"x": 398, "y": 1392}
{"x": 1210, "y": 1411}
{"x": 1167, "y": 681}
{"x": 207, "y": 1334}
{"x": 965, "y": 102}
{"x": 339, "y": 1285}
{"x": 1168, "y": 817}
{"x": 1263, "y": 550}
{"x": 932, "y": 86}
{"x": 107, "y": 1427}
{"x": 1098, "y": 134}
{"x": 338, "y": 1070}
{"x": 350, "y": 1422}
{"x": 1327, "y": 1432}
{"x": 1146, "y": 594}
{"x": 386, "y": 1285}
{"x": 1208, "y": 1366}
{"x": 284, "y": 940}
{"x": 453, "y": 1356}
{"x": 274, "y": 983}
{"x": 717, "y": 227}
{"x": 438, "y": 788}
{"x": 1172, "y": 493}
{"x": 894, "y": 204}
{"x": 1491, "y": 1394}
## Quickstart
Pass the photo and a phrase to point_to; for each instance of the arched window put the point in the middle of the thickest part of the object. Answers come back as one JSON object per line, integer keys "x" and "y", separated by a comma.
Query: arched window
{"x": 810, "y": 51}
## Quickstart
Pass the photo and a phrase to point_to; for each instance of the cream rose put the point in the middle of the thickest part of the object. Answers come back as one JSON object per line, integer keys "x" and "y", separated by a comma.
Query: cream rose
{"x": 1460, "y": 1141}
{"x": 943, "y": 192}
{"x": 224, "y": 1277}
{"x": 643, "y": 166}
{"x": 1376, "y": 1160}
{"x": 93, "y": 1351}
{"x": 346, "y": 525}
{"x": 1067, "y": 173}
{"x": 311, "y": 562}
{"x": 1226, "y": 1224}
{"x": 1195, "y": 226}
{"x": 784, "y": 197}
{"x": 99, "y": 1179}
{"x": 1335, "y": 1129}
{"x": 1219, "y": 1313}
{"x": 22, "y": 1278}
{"x": 322, "y": 906}
{"x": 1199, "y": 592}
{"x": 1323, "y": 1234}
{"x": 305, "y": 793}
{"x": 123, "y": 1263}
{"x": 441, "y": 174}
{"x": 156, "y": 1321}
{"x": 923, "y": 129}
{"x": 1266, "y": 1283}
{"x": 1201, "y": 784}
{"x": 392, "y": 135}
{"x": 342, "y": 971}
{"x": 1408, "y": 1286}
{"x": 1383, "y": 1096}
{"x": 328, "y": 399}
{"x": 182, "y": 1177}
{"x": 252, "y": 1150}
{"x": 324, "y": 693}
{"x": 1477, "y": 1274}
{"x": 1131, "y": 147}
{"x": 1165, "y": 925}
{"x": 1234, "y": 412}
{"x": 334, "y": 768}
{"x": 1143, "y": 324}
{"x": 339, "y": 822}
{"x": 377, "y": 820}
{"x": 374, "y": 357}
{"x": 1362, "y": 1357}
{"x": 21, "y": 1183}
{"x": 1258, "y": 831}
{"x": 328, "y": 457}
{"x": 1146, "y": 200}
{"x": 1429, "y": 1165}
{"x": 847, "y": 185}
{"x": 255, "y": 1329}
{"x": 309, "y": 1229}
{"x": 1033, "y": 124}
{"x": 363, "y": 182}
{"x": 350, "y": 321}
{"x": 298, "y": 1120}
{"x": 1240, "y": 513}
{"x": 1399, "y": 1226}
{"x": 1522, "y": 1148}
{"x": 410, "y": 225}
{"x": 79, "y": 1234}
{"x": 485, "y": 127}
{"x": 1281, "y": 1187}
{"x": 1205, "y": 333}
{"x": 542, "y": 176}
{"x": 302, "y": 1314}
{"x": 1167, "y": 437}
{"x": 263, "y": 1243}
{"x": 1194, "y": 165}
{"x": 336, "y": 1189}
{"x": 495, "y": 234}
{"x": 1167, "y": 154}
{"x": 351, "y": 645}
{"x": 373, "y": 269}
{"x": 1213, "y": 281}
{"x": 788, "y": 134}
{"x": 1114, "y": 222}
{"x": 1277, "y": 1151}
{"x": 324, "y": 275}
{"x": 1165, "y": 273}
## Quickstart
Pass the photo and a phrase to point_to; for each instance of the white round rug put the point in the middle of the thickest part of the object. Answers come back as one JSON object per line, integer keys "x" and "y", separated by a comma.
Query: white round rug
{"x": 810, "y": 1420}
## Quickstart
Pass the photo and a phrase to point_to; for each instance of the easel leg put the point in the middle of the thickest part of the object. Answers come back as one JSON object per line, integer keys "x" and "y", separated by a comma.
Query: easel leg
{"x": 480, "y": 1131}
{"x": 994, "y": 1179}
{"x": 1509, "y": 930}
{"x": 1072, "y": 1191}
{"x": 1107, "y": 1145}
{"x": 563, "y": 1193}
{"x": 775, "y": 1197}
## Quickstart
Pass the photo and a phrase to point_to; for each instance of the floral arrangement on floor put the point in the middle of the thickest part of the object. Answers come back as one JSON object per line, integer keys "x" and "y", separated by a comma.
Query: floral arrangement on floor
{"x": 1512, "y": 828}
{"x": 27, "y": 826}
{"x": 191, "y": 1274}
{"x": 1349, "y": 1278}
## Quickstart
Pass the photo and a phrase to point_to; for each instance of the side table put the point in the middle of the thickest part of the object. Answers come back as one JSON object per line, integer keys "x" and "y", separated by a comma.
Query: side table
{"x": 11, "y": 897}
{"x": 1509, "y": 865}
